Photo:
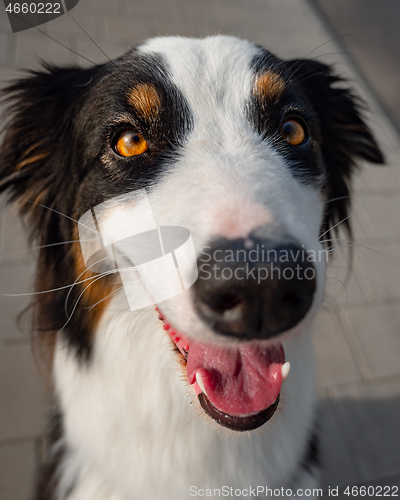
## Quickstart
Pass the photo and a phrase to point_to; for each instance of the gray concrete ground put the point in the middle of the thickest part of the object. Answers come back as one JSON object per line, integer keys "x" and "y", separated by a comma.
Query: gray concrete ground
{"x": 357, "y": 333}
{"x": 369, "y": 31}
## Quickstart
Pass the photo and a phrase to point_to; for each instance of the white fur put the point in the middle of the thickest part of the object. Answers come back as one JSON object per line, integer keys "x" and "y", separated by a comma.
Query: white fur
{"x": 133, "y": 426}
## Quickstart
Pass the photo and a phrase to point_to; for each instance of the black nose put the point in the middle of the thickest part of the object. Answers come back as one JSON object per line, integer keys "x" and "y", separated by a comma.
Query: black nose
{"x": 253, "y": 289}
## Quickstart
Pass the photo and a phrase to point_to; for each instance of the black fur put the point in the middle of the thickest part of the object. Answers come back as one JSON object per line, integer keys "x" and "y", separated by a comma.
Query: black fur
{"x": 267, "y": 114}
{"x": 48, "y": 479}
{"x": 344, "y": 135}
{"x": 338, "y": 135}
{"x": 311, "y": 459}
{"x": 65, "y": 120}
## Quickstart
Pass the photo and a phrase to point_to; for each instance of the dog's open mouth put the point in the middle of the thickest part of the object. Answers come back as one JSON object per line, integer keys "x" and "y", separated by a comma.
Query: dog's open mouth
{"x": 238, "y": 387}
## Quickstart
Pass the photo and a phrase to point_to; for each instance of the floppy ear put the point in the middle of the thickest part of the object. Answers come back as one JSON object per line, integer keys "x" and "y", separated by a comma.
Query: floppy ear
{"x": 345, "y": 136}
{"x": 39, "y": 154}
{"x": 39, "y": 141}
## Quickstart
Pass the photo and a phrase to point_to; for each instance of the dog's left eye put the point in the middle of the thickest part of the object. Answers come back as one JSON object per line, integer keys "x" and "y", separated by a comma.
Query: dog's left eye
{"x": 294, "y": 132}
{"x": 130, "y": 143}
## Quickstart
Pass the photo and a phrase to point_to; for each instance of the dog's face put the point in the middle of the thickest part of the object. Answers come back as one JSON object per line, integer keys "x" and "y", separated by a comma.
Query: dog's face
{"x": 252, "y": 154}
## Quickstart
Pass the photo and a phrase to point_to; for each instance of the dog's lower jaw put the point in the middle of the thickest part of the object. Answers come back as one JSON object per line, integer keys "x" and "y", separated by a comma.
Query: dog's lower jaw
{"x": 133, "y": 428}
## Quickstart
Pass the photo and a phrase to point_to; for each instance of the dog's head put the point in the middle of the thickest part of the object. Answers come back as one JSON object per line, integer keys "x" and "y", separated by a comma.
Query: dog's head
{"x": 252, "y": 154}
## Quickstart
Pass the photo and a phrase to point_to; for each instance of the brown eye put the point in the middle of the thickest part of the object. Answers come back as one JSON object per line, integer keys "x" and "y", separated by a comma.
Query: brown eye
{"x": 293, "y": 132}
{"x": 130, "y": 143}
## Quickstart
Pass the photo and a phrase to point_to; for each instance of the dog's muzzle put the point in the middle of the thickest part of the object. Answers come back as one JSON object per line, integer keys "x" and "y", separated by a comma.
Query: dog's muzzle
{"x": 250, "y": 290}
{"x": 253, "y": 289}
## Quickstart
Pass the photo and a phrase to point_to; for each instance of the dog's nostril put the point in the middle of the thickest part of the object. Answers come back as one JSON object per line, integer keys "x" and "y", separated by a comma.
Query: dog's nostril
{"x": 228, "y": 302}
{"x": 291, "y": 300}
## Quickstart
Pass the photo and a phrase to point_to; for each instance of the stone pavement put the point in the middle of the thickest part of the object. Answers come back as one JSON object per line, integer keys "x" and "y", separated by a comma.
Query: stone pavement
{"x": 369, "y": 31}
{"x": 356, "y": 335}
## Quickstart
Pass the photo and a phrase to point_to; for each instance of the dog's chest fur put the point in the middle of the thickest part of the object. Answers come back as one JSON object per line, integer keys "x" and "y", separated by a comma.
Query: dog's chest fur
{"x": 129, "y": 422}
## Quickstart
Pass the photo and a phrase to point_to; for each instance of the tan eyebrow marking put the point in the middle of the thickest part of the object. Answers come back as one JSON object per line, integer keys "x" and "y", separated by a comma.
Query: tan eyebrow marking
{"x": 146, "y": 100}
{"x": 269, "y": 86}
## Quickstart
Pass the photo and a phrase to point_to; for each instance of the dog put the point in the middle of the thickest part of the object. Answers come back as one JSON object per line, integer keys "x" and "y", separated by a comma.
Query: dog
{"x": 191, "y": 395}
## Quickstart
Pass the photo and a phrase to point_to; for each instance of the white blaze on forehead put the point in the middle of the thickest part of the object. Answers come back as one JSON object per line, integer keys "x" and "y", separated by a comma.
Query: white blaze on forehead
{"x": 214, "y": 71}
{"x": 244, "y": 180}
{"x": 227, "y": 180}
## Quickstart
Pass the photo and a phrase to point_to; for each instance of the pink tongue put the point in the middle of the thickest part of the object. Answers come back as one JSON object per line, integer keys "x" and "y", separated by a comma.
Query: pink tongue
{"x": 238, "y": 381}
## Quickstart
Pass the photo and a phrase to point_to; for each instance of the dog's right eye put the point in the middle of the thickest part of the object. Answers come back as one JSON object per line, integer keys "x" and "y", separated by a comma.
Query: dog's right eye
{"x": 129, "y": 143}
{"x": 294, "y": 132}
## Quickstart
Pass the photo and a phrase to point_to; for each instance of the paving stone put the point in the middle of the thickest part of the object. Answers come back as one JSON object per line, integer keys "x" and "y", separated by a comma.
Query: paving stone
{"x": 17, "y": 469}
{"x": 73, "y": 24}
{"x": 33, "y": 47}
{"x": 373, "y": 331}
{"x": 13, "y": 240}
{"x": 7, "y": 54}
{"x": 338, "y": 467}
{"x": 4, "y": 22}
{"x": 382, "y": 215}
{"x": 90, "y": 52}
{"x": 335, "y": 362}
{"x": 15, "y": 279}
{"x": 374, "y": 272}
{"x": 7, "y": 74}
{"x": 347, "y": 282}
{"x": 23, "y": 398}
{"x": 380, "y": 265}
{"x": 366, "y": 414}
{"x": 165, "y": 29}
{"x": 132, "y": 32}
{"x": 377, "y": 179}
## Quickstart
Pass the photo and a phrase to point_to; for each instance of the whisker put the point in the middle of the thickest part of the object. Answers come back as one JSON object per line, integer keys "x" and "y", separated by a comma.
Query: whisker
{"x": 71, "y": 285}
{"x": 119, "y": 319}
{"x": 137, "y": 321}
{"x": 340, "y": 222}
{"x": 113, "y": 316}
{"x": 65, "y": 46}
{"x": 98, "y": 46}
{"x": 60, "y": 213}
{"x": 345, "y": 289}
{"x": 338, "y": 198}
{"x": 318, "y": 47}
{"x": 78, "y": 299}
{"x": 105, "y": 273}
{"x": 105, "y": 298}
{"x": 352, "y": 243}
{"x": 337, "y": 309}
{"x": 343, "y": 52}
{"x": 43, "y": 291}
{"x": 45, "y": 246}
{"x": 365, "y": 277}
{"x": 311, "y": 72}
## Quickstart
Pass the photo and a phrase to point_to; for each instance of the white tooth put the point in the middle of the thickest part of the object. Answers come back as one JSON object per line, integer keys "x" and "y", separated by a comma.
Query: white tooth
{"x": 199, "y": 380}
{"x": 285, "y": 371}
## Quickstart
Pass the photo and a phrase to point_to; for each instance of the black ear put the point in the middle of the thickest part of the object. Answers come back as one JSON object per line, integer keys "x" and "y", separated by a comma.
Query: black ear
{"x": 40, "y": 154}
{"x": 345, "y": 136}
{"x": 39, "y": 134}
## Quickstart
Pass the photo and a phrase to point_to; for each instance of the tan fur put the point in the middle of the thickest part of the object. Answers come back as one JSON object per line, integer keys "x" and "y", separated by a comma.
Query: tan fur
{"x": 31, "y": 159}
{"x": 269, "y": 86}
{"x": 146, "y": 100}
